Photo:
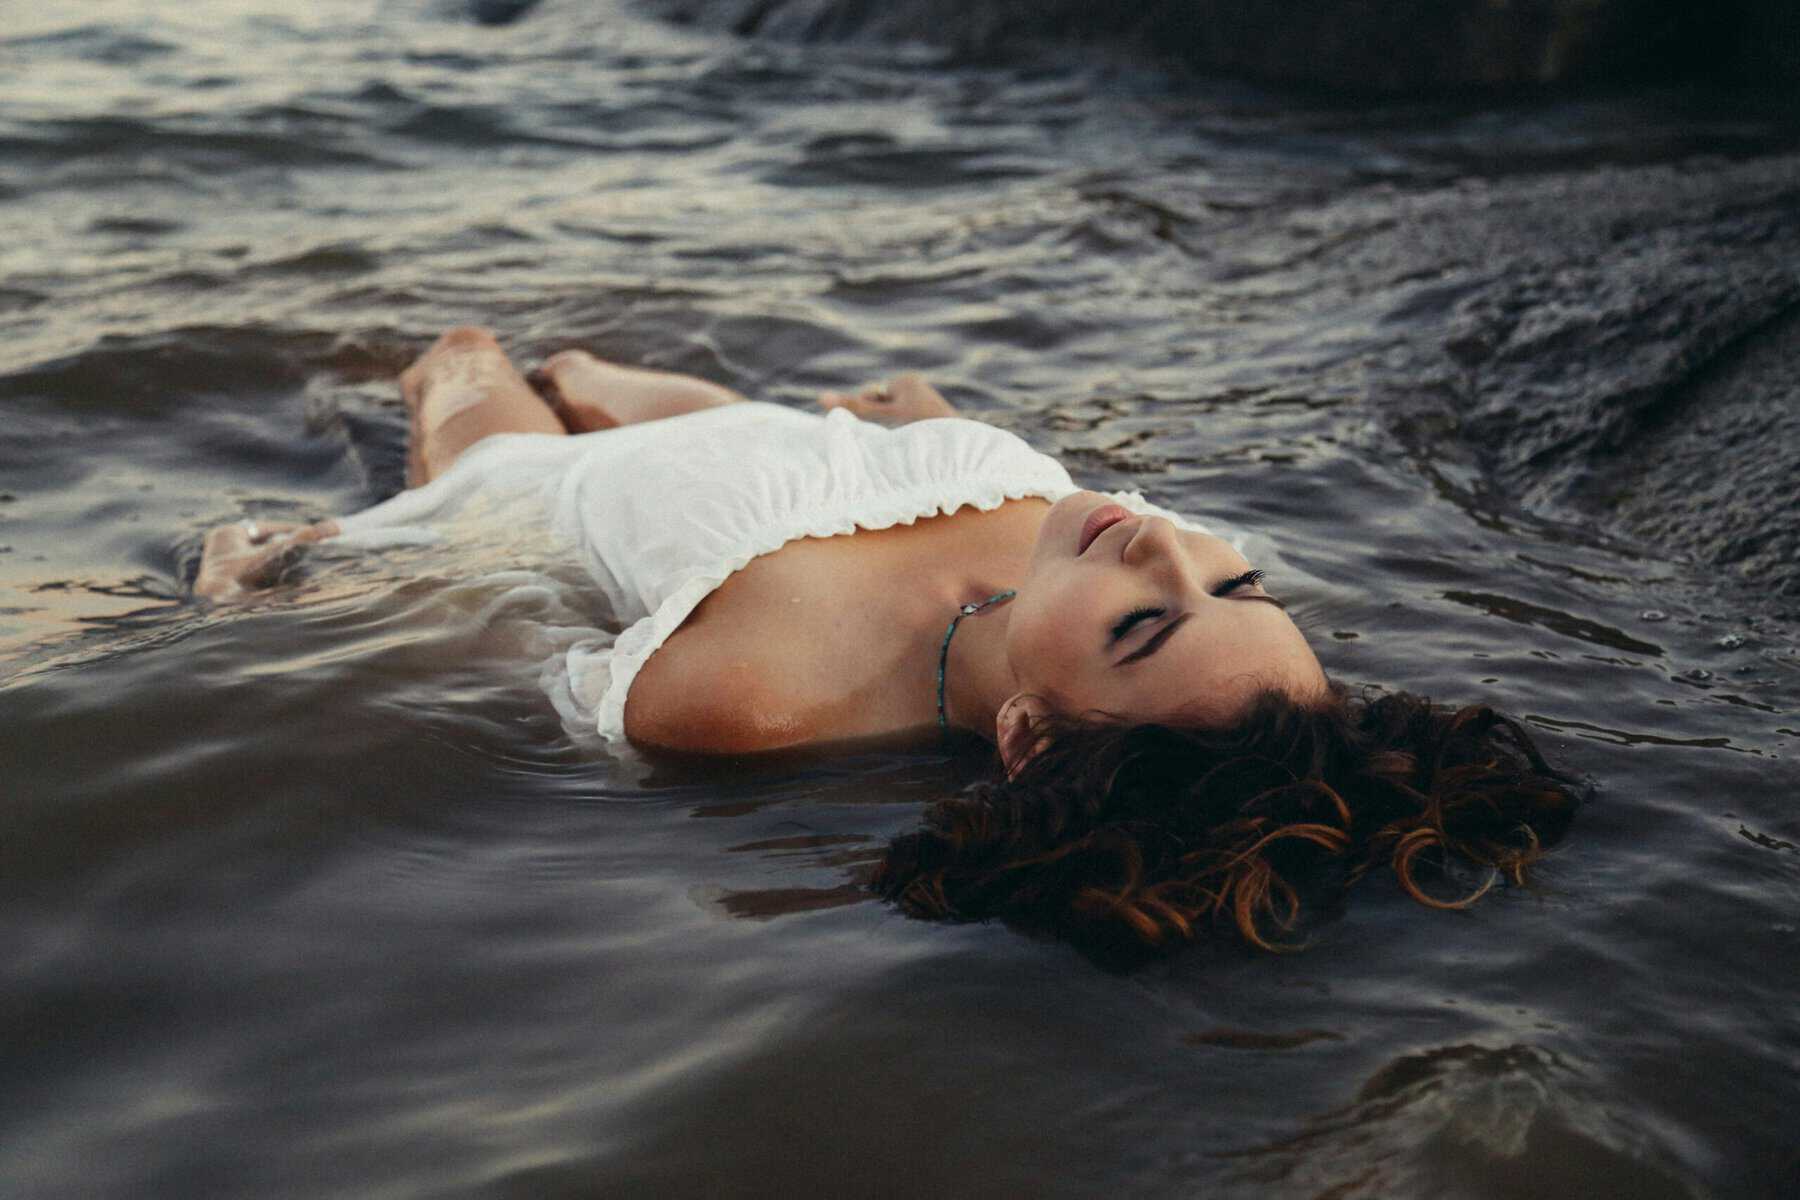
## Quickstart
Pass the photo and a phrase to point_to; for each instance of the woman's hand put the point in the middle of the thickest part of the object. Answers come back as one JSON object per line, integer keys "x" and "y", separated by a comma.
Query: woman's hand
{"x": 906, "y": 397}
{"x": 251, "y": 554}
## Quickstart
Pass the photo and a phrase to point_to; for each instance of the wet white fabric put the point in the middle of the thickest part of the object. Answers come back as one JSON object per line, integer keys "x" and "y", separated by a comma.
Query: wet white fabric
{"x": 664, "y": 512}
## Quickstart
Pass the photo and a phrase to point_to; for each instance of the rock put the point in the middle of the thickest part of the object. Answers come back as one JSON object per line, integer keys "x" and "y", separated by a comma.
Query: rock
{"x": 1622, "y": 352}
{"x": 1600, "y": 334}
{"x": 1767, "y": 52}
{"x": 1385, "y": 46}
{"x": 1614, "y": 346}
{"x": 1712, "y": 472}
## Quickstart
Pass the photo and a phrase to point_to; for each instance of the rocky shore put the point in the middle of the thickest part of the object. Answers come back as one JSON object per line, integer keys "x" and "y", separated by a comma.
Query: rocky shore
{"x": 1618, "y": 347}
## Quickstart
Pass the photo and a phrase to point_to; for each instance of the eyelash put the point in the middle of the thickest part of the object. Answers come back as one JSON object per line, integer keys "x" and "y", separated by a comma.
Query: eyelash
{"x": 1248, "y": 579}
{"x": 1129, "y": 621}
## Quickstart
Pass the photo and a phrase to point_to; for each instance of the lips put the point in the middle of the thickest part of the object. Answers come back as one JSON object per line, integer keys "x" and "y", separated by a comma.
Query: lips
{"x": 1098, "y": 522}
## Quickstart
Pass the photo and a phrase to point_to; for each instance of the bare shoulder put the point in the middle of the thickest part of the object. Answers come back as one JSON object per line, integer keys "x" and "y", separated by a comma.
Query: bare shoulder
{"x": 696, "y": 697}
{"x": 764, "y": 662}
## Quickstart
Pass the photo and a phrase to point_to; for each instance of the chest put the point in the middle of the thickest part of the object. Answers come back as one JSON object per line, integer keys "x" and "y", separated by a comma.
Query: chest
{"x": 788, "y": 650}
{"x": 812, "y": 642}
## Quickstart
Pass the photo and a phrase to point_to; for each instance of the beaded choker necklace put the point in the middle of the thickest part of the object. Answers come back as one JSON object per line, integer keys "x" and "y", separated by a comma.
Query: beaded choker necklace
{"x": 966, "y": 610}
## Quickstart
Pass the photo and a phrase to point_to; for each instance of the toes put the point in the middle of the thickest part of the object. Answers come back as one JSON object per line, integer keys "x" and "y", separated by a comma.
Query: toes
{"x": 871, "y": 399}
{"x": 451, "y": 344}
{"x": 564, "y": 360}
{"x": 465, "y": 337}
{"x": 549, "y": 377}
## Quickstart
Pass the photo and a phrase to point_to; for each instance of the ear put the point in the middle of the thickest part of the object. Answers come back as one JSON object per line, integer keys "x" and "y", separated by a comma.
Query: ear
{"x": 1013, "y": 731}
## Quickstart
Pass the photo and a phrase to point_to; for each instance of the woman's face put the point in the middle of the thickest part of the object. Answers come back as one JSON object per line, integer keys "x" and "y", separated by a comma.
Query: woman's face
{"x": 1130, "y": 617}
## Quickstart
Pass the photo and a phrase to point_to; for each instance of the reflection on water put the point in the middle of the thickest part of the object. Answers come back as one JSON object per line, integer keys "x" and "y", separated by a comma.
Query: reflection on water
{"x": 319, "y": 896}
{"x": 1569, "y": 626}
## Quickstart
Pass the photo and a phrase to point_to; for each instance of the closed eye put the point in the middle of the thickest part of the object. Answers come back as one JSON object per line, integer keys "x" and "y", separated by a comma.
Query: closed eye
{"x": 1137, "y": 616}
{"x": 1248, "y": 579}
{"x": 1131, "y": 620}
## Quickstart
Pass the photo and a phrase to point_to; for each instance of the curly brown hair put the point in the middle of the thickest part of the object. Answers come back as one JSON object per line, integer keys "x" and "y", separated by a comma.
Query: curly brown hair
{"x": 1132, "y": 840}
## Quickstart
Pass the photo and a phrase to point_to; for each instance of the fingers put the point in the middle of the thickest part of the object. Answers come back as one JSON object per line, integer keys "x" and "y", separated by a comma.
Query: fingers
{"x": 252, "y": 554}
{"x": 266, "y": 568}
{"x": 258, "y": 533}
{"x": 264, "y": 533}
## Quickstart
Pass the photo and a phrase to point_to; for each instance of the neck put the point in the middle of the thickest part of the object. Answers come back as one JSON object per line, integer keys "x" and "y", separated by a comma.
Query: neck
{"x": 991, "y": 554}
{"x": 978, "y": 678}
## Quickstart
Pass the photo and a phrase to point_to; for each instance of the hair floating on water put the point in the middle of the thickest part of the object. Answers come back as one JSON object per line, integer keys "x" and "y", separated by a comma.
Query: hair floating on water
{"x": 1134, "y": 840}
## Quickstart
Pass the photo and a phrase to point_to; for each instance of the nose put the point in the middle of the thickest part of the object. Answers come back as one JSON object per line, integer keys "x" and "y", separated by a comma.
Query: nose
{"x": 1156, "y": 542}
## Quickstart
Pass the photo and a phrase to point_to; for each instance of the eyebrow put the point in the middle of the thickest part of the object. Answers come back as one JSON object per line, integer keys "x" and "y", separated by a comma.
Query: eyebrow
{"x": 1155, "y": 643}
{"x": 1162, "y": 635}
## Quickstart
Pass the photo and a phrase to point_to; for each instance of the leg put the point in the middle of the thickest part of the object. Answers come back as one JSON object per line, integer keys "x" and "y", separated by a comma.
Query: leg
{"x": 589, "y": 393}
{"x": 462, "y": 390}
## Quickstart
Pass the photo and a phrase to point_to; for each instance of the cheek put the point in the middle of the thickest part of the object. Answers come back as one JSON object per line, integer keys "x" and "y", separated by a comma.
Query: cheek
{"x": 1044, "y": 640}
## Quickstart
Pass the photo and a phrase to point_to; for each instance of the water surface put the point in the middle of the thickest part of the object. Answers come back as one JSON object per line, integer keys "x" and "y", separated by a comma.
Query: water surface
{"x": 318, "y": 897}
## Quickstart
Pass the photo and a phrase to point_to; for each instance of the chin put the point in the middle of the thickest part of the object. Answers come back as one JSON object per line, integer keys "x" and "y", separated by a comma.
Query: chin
{"x": 1061, "y": 530}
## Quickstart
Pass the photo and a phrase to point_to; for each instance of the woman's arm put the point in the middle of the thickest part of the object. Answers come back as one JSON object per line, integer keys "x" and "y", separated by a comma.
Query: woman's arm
{"x": 246, "y": 555}
{"x": 902, "y": 399}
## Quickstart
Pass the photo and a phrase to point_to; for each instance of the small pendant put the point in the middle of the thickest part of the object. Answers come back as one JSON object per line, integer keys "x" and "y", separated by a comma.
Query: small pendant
{"x": 962, "y": 610}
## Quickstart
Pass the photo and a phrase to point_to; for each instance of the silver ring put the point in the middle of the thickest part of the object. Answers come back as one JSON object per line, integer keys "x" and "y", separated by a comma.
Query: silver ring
{"x": 251, "y": 531}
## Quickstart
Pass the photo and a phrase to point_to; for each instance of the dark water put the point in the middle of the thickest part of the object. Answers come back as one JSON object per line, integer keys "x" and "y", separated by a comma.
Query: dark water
{"x": 319, "y": 898}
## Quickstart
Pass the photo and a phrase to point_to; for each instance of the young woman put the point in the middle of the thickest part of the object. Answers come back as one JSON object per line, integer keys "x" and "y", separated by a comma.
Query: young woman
{"x": 1169, "y": 750}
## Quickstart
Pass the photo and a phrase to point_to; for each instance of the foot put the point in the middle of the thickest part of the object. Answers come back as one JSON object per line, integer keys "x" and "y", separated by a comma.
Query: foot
{"x": 589, "y": 393}
{"x": 465, "y": 368}
{"x": 901, "y": 400}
